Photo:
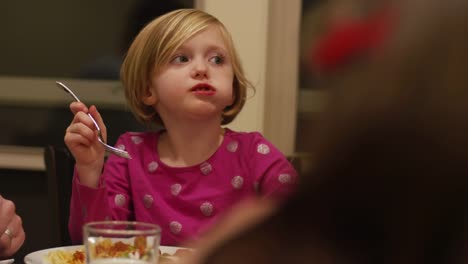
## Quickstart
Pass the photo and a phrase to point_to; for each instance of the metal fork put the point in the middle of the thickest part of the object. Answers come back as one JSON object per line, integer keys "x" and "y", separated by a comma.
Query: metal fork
{"x": 116, "y": 151}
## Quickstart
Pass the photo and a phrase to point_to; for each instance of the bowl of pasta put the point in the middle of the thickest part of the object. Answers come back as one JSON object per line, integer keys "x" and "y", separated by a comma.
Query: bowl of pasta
{"x": 75, "y": 255}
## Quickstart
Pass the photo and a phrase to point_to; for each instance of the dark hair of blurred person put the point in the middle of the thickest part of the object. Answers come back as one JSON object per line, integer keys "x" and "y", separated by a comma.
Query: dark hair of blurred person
{"x": 390, "y": 175}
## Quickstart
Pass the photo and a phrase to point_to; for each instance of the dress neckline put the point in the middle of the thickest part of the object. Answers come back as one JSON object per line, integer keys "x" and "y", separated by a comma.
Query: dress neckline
{"x": 226, "y": 134}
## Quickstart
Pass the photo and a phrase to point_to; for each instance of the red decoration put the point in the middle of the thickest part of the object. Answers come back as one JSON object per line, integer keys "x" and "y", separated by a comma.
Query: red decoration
{"x": 347, "y": 40}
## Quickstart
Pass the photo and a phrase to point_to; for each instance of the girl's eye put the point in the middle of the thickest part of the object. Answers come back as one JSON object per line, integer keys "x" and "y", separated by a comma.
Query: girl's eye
{"x": 217, "y": 59}
{"x": 180, "y": 59}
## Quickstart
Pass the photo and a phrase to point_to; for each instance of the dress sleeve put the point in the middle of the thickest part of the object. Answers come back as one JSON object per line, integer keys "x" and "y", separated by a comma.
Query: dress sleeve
{"x": 110, "y": 201}
{"x": 275, "y": 177}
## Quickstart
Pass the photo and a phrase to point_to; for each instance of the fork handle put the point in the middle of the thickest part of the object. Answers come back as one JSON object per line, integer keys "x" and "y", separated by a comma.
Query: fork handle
{"x": 96, "y": 125}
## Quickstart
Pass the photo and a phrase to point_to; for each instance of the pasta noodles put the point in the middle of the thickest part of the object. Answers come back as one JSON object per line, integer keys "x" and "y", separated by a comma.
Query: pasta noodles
{"x": 65, "y": 257}
{"x": 61, "y": 256}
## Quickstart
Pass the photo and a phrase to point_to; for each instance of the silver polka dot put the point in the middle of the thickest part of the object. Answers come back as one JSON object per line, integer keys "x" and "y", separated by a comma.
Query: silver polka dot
{"x": 232, "y": 147}
{"x": 284, "y": 178}
{"x": 136, "y": 140}
{"x": 152, "y": 166}
{"x": 237, "y": 182}
{"x": 263, "y": 149}
{"x": 175, "y": 189}
{"x": 147, "y": 201}
{"x": 119, "y": 200}
{"x": 121, "y": 146}
{"x": 175, "y": 227}
{"x": 206, "y": 208}
{"x": 206, "y": 168}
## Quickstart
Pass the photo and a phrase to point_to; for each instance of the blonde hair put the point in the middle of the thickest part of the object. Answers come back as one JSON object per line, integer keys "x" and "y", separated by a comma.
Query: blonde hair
{"x": 152, "y": 49}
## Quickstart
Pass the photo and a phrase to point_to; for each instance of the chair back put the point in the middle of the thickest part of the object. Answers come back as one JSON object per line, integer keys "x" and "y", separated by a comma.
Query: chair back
{"x": 59, "y": 171}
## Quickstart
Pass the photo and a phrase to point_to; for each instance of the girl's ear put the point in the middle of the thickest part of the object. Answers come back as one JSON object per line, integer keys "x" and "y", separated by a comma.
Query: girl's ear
{"x": 149, "y": 98}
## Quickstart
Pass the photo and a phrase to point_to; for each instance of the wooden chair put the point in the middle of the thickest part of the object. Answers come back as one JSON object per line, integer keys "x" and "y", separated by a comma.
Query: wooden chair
{"x": 59, "y": 171}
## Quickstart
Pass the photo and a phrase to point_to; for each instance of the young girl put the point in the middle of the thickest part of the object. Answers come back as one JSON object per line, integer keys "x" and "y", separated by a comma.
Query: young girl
{"x": 181, "y": 72}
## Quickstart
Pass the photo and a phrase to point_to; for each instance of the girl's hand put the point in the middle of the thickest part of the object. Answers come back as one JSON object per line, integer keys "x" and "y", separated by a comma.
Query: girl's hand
{"x": 11, "y": 229}
{"x": 81, "y": 139}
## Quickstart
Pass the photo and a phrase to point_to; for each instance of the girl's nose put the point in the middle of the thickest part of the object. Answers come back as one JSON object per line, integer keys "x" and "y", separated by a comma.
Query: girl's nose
{"x": 200, "y": 69}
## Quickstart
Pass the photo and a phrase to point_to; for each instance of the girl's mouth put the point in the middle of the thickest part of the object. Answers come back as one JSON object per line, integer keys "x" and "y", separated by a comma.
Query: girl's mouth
{"x": 203, "y": 89}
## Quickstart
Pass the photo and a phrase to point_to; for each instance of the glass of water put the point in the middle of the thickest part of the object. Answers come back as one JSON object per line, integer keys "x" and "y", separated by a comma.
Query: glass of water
{"x": 121, "y": 242}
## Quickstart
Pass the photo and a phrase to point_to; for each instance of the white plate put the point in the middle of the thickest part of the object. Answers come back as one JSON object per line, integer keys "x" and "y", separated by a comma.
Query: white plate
{"x": 37, "y": 257}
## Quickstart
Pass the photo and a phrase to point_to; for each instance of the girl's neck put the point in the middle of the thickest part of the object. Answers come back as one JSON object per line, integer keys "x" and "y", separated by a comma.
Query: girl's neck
{"x": 183, "y": 145}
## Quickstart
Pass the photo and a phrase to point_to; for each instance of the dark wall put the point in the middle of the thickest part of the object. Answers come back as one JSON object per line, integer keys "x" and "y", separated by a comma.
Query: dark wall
{"x": 41, "y": 125}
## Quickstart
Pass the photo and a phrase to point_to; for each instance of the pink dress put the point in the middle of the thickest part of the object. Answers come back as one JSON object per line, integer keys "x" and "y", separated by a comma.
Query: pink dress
{"x": 182, "y": 201}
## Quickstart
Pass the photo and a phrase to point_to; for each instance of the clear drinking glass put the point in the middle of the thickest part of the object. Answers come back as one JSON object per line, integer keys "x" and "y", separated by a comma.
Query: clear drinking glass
{"x": 121, "y": 242}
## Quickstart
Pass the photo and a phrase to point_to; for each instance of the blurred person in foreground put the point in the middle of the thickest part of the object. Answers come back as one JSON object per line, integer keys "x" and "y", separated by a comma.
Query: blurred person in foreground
{"x": 390, "y": 176}
{"x": 11, "y": 229}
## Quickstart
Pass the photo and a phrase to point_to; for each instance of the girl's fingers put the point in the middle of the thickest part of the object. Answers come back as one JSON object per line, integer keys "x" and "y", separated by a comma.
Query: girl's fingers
{"x": 82, "y": 130}
{"x": 73, "y": 139}
{"x": 83, "y": 118}
{"x": 97, "y": 116}
{"x": 81, "y": 114}
{"x": 76, "y": 107}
